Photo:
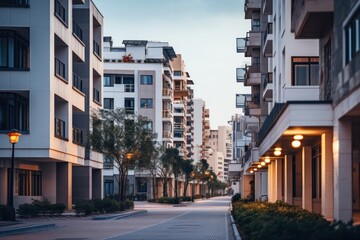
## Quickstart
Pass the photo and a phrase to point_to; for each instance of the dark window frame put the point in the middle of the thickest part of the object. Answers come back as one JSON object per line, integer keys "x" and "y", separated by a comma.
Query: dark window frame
{"x": 305, "y": 61}
{"x": 146, "y": 103}
{"x": 146, "y": 79}
{"x": 352, "y": 37}
{"x": 16, "y": 112}
{"x": 109, "y": 103}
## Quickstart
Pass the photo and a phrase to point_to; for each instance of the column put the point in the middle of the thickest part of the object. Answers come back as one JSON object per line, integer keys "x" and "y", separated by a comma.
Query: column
{"x": 264, "y": 183}
{"x": 3, "y": 185}
{"x": 342, "y": 171}
{"x": 270, "y": 183}
{"x": 64, "y": 184}
{"x": 247, "y": 186}
{"x": 97, "y": 184}
{"x": 257, "y": 185}
{"x": 49, "y": 181}
{"x": 306, "y": 178}
{"x": 288, "y": 185}
{"x": 82, "y": 183}
{"x": 278, "y": 179}
{"x": 327, "y": 176}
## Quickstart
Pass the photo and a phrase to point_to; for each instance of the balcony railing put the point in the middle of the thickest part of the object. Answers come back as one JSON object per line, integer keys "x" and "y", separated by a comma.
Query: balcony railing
{"x": 240, "y": 74}
{"x": 96, "y": 49}
{"x": 77, "y": 82}
{"x": 60, "y": 130}
{"x": 60, "y": 69}
{"x": 78, "y": 31}
{"x": 129, "y": 110}
{"x": 269, "y": 30}
{"x": 78, "y": 136}
{"x": 268, "y": 79}
{"x": 166, "y": 134}
{"x": 240, "y": 45}
{"x": 60, "y": 11}
{"x": 96, "y": 95}
{"x": 270, "y": 121}
{"x": 166, "y": 92}
{"x": 129, "y": 88}
{"x": 14, "y": 3}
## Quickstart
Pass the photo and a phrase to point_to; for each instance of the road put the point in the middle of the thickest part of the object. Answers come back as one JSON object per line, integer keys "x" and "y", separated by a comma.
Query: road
{"x": 204, "y": 219}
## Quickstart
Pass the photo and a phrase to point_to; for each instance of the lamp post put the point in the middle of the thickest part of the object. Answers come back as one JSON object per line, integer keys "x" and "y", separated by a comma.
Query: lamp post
{"x": 13, "y": 138}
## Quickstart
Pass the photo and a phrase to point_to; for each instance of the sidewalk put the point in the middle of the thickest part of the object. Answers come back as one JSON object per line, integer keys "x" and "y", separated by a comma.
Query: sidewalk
{"x": 27, "y": 225}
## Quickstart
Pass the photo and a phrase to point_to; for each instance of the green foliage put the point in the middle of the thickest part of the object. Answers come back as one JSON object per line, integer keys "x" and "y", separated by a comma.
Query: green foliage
{"x": 262, "y": 220}
{"x": 129, "y": 204}
{"x": 84, "y": 207}
{"x": 236, "y": 197}
{"x": 186, "y": 198}
{"x": 37, "y": 208}
{"x": 6, "y": 213}
{"x": 106, "y": 205}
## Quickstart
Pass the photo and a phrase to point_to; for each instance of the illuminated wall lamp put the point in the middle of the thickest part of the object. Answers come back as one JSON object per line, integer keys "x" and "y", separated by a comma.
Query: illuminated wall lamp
{"x": 267, "y": 160}
{"x": 251, "y": 171}
{"x": 255, "y": 169}
{"x": 263, "y": 163}
{"x": 259, "y": 166}
{"x": 295, "y": 143}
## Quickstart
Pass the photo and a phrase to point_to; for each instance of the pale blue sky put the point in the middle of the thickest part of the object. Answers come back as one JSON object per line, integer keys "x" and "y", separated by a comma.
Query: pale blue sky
{"x": 203, "y": 31}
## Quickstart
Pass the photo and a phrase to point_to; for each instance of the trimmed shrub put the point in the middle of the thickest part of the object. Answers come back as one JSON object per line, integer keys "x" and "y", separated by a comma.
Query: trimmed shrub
{"x": 28, "y": 210}
{"x": 6, "y": 213}
{"x": 262, "y": 220}
{"x": 84, "y": 207}
{"x": 129, "y": 204}
{"x": 236, "y": 197}
{"x": 186, "y": 199}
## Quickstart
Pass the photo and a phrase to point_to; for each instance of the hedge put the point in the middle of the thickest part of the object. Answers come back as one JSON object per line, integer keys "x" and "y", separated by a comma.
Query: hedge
{"x": 280, "y": 221}
{"x": 37, "y": 208}
{"x": 106, "y": 205}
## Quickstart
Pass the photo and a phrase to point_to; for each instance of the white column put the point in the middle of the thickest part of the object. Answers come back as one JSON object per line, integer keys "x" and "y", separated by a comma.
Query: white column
{"x": 247, "y": 187}
{"x": 270, "y": 173}
{"x": 257, "y": 185}
{"x": 342, "y": 171}
{"x": 264, "y": 183}
{"x": 288, "y": 185}
{"x": 327, "y": 176}
{"x": 306, "y": 178}
{"x": 64, "y": 184}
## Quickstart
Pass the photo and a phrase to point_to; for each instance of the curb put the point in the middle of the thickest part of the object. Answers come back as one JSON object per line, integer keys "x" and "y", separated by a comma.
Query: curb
{"x": 235, "y": 230}
{"x": 120, "y": 216}
{"x": 26, "y": 229}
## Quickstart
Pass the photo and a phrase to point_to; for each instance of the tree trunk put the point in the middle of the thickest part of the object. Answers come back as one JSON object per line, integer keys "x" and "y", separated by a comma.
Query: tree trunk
{"x": 186, "y": 183}
{"x": 165, "y": 194}
{"x": 176, "y": 187}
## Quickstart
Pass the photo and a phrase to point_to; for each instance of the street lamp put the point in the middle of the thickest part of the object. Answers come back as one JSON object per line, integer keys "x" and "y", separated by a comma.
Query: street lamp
{"x": 13, "y": 138}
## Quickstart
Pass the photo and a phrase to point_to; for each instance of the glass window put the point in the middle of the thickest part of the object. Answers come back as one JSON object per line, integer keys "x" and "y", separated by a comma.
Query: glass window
{"x": 177, "y": 73}
{"x": 129, "y": 104}
{"x": 107, "y": 81}
{"x": 14, "y": 112}
{"x": 146, "y": 103}
{"x": 108, "y": 103}
{"x": 352, "y": 37}
{"x": 149, "y": 125}
{"x": 14, "y": 51}
{"x": 305, "y": 71}
{"x": 146, "y": 79}
{"x": 108, "y": 187}
{"x": 255, "y": 25}
{"x": 29, "y": 183}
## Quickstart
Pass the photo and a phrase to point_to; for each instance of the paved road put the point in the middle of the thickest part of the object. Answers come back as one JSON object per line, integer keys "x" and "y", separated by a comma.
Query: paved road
{"x": 204, "y": 219}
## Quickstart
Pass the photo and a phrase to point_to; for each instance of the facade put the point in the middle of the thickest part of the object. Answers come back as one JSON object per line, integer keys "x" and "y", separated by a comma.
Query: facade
{"x": 201, "y": 130}
{"x": 149, "y": 79}
{"x": 216, "y": 157}
{"x": 51, "y": 81}
{"x": 308, "y": 141}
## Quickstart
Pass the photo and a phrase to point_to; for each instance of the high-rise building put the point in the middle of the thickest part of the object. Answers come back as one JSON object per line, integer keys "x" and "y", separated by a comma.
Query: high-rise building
{"x": 201, "y": 130}
{"x": 51, "y": 81}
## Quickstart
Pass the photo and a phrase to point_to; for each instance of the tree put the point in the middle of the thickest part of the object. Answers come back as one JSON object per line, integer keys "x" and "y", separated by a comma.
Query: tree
{"x": 170, "y": 164}
{"x": 187, "y": 170}
{"x": 123, "y": 138}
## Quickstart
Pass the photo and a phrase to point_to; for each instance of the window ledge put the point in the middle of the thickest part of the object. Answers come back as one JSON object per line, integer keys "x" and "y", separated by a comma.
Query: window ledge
{"x": 80, "y": 41}
{"x": 97, "y": 102}
{"x": 61, "y": 78}
{"x": 62, "y": 21}
{"x": 78, "y": 91}
{"x": 62, "y": 138}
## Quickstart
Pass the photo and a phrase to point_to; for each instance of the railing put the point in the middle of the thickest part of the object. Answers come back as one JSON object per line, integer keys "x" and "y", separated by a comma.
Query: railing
{"x": 60, "y": 11}
{"x": 270, "y": 121}
{"x": 240, "y": 74}
{"x": 96, "y": 95}
{"x": 78, "y": 31}
{"x": 60, "y": 69}
{"x": 96, "y": 48}
{"x": 167, "y": 114}
{"x": 60, "y": 128}
{"x": 129, "y": 110}
{"x": 268, "y": 79}
{"x": 166, "y": 134}
{"x": 269, "y": 30}
{"x": 14, "y": 3}
{"x": 77, "y": 82}
{"x": 166, "y": 92}
{"x": 240, "y": 45}
{"x": 78, "y": 136}
{"x": 129, "y": 88}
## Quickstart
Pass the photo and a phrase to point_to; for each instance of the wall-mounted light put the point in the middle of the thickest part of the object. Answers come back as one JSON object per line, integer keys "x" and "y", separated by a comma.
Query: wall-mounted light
{"x": 267, "y": 160}
{"x": 263, "y": 163}
{"x": 259, "y": 166}
{"x": 255, "y": 169}
{"x": 251, "y": 171}
{"x": 277, "y": 151}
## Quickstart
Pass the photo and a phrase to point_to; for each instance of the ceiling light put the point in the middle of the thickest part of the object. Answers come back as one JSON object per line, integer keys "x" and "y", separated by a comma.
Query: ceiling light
{"x": 255, "y": 169}
{"x": 251, "y": 171}
{"x": 259, "y": 166}
{"x": 298, "y": 137}
{"x": 296, "y": 143}
{"x": 277, "y": 151}
{"x": 263, "y": 163}
{"x": 267, "y": 160}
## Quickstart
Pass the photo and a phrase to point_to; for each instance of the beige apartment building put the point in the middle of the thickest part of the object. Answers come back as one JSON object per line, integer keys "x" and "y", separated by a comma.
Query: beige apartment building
{"x": 51, "y": 81}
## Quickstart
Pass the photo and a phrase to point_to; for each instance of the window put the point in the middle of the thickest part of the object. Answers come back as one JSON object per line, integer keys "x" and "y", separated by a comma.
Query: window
{"x": 14, "y": 3}
{"x": 141, "y": 184}
{"x": 14, "y": 112}
{"x": 96, "y": 95}
{"x": 14, "y": 51}
{"x": 108, "y": 103}
{"x": 352, "y": 37}
{"x": 146, "y": 103}
{"x": 129, "y": 104}
{"x": 108, "y": 163}
{"x": 146, "y": 79}
{"x": 107, "y": 81}
{"x": 60, "y": 69}
{"x": 60, "y": 130}
{"x": 178, "y": 73}
{"x": 29, "y": 182}
{"x": 60, "y": 11}
{"x": 108, "y": 187}
{"x": 127, "y": 80}
{"x": 255, "y": 25}
{"x": 305, "y": 71}
{"x": 149, "y": 125}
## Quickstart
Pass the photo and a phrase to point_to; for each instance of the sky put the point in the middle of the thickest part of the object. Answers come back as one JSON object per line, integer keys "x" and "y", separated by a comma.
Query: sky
{"x": 204, "y": 32}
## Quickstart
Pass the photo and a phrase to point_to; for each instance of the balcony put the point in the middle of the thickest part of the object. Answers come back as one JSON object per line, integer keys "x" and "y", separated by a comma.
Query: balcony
{"x": 78, "y": 32}
{"x": 240, "y": 100}
{"x": 97, "y": 49}
{"x": 267, "y": 7}
{"x": 77, "y": 82}
{"x": 167, "y": 94}
{"x": 96, "y": 96}
{"x": 270, "y": 120}
{"x": 268, "y": 87}
{"x": 240, "y": 72}
{"x": 252, "y": 75}
{"x": 240, "y": 45}
{"x": 310, "y": 18}
{"x": 180, "y": 92}
{"x": 60, "y": 129}
{"x": 207, "y": 113}
{"x": 167, "y": 134}
{"x": 268, "y": 41}
{"x": 78, "y": 136}
{"x": 250, "y": 6}
{"x": 60, "y": 69}
{"x": 253, "y": 40}
{"x": 167, "y": 115}
{"x": 60, "y": 12}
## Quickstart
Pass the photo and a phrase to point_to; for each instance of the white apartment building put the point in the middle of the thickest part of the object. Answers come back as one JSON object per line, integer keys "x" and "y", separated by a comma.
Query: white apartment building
{"x": 201, "y": 130}
{"x": 216, "y": 157}
{"x": 51, "y": 80}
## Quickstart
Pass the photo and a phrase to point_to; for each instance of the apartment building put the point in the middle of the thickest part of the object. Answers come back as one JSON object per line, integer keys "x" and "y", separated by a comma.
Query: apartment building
{"x": 216, "y": 157}
{"x": 310, "y": 134}
{"x": 148, "y": 78}
{"x": 51, "y": 81}
{"x": 201, "y": 130}
{"x": 190, "y": 121}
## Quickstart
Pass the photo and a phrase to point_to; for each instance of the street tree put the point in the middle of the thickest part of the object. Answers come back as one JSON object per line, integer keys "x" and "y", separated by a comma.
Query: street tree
{"x": 187, "y": 170}
{"x": 123, "y": 138}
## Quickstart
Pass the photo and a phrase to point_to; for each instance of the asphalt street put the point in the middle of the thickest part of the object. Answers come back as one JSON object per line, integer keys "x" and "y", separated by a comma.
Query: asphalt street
{"x": 203, "y": 219}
